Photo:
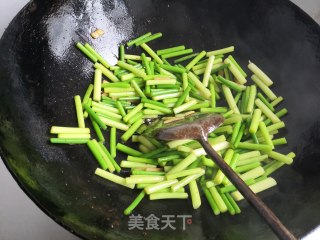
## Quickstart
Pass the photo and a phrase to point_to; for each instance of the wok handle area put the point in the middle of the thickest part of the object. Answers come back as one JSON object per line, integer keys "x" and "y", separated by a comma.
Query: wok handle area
{"x": 273, "y": 221}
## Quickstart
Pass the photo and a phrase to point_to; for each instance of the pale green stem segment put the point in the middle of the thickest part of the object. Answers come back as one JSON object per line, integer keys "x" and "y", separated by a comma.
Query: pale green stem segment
{"x": 250, "y": 154}
{"x": 183, "y": 173}
{"x": 170, "y": 50}
{"x": 110, "y": 158}
{"x": 69, "y": 141}
{"x": 280, "y": 157}
{"x": 195, "y": 195}
{"x": 220, "y": 51}
{"x": 230, "y": 100}
{"x": 256, "y": 187}
{"x": 97, "y": 55}
{"x": 106, "y": 72}
{"x": 195, "y": 60}
{"x": 253, "y": 173}
{"x": 184, "y": 106}
{"x": 265, "y": 134}
{"x": 252, "y": 97}
{"x": 275, "y": 126}
{"x": 264, "y": 88}
{"x": 266, "y": 111}
{"x": 159, "y": 186}
{"x": 186, "y": 180}
{"x": 94, "y": 116}
{"x": 79, "y": 111}
{"x": 130, "y": 164}
{"x": 234, "y": 70}
{"x": 132, "y": 42}
{"x": 252, "y": 160}
{"x": 133, "y": 179}
{"x": 134, "y": 111}
{"x": 57, "y": 130}
{"x": 177, "y": 53}
{"x": 138, "y": 89}
{"x": 135, "y": 57}
{"x": 151, "y": 53}
{"x": 86, "y": 52}
{"x": 255, "y": 121}
{"x": 132, "y": 69}
{"x": 95, "y": 149}
{"x": 279, "y": 141}
{"x": 174, "y": 195}
{"x": 183, "y": 164}
{"x": 97, "y": 85}
{"x": 74, "y": 135}
{"x": 219, "y": 176}
{"x": 228, "y": 204}
{"x": 113, "y": 178}
{"x": 237, "y": 65}
{"x": 87, "y": 94}
{"x": 207, "y": 72}
{"x": 199, "y": 85}
{"x": 113, "y": 142}
{"x": 217, "y": 198}
{"x": 276, "y": 101}
{"x": 148, "y": 39}
{"x": 134, "y": 127}
{"x": 105, "y": 107}
{"x": 253, "y": 146}
{"x": 231, "y": 188}
{"x": 106, "y": 157}
{"x": 112, "y": 123}
{"x": 213, "y": 204}
{"x": 128, "y": 150}
{"x": 260, "y": 74}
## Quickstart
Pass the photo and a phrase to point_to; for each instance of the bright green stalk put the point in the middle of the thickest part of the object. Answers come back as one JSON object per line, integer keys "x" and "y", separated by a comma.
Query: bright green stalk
{"x": 220, "y": 51}
{"x": 128, "y": 150}
{"x": 195, "y": 60}
{"x": 134, "y": 204}
{"x": 170, "y": 50}
{"x": 69, "y": 141}
{"x": 132, "y": 42}
{"x": 86, "y": 52}
{"x": 106, "y": 72}
{"x": 132, "y": 130}
{"x": 132, "y": 69}
{"x": 151, "y": 53}
{"x": 177, "y": 53}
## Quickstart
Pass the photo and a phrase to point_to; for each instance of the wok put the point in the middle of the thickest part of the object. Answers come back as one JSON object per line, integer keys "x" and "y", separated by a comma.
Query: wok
{"x": 41, "y": 71}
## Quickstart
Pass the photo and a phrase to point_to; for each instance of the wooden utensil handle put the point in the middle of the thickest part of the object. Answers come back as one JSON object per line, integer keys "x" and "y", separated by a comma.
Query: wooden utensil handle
{"x": 276, "y": 225}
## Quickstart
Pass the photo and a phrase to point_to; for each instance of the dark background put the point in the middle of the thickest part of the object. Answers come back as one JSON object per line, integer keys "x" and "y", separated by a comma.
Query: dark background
{"x": 20, "y": 218}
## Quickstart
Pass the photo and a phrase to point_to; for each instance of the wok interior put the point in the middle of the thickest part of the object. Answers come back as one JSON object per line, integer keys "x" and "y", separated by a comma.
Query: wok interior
{"x": 41, "y": 71}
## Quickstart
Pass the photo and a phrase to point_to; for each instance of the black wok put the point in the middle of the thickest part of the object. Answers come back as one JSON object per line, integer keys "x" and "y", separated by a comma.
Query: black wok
{"x": 41, "y": 71}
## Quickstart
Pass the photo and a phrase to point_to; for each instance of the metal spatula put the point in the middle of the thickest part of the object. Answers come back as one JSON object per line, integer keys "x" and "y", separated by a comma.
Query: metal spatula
{"x": 198, "y": 127}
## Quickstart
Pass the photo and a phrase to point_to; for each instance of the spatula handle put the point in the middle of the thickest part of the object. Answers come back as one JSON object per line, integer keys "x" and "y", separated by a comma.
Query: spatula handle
{"x": 276, "y": 225}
